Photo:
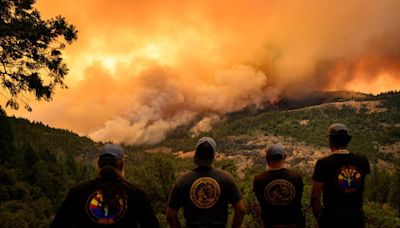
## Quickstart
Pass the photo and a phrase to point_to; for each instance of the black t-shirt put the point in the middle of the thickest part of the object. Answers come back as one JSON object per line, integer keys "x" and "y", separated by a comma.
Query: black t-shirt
{"x": 84, "y": 207}
{"x": 279, "y": 193}
{"x": 343, "y": 177}
{"x": 204, "y": 194}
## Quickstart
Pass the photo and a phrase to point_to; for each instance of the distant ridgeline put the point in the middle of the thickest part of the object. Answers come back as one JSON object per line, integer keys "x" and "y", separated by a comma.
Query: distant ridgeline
{"x": 373, "y": 120}
{"x": 38, "y": 164}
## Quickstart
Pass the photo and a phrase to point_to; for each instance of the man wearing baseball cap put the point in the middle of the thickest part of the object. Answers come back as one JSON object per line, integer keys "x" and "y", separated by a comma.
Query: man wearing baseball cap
{"x": 108, "y": 200}
{"x": 279, "y": 191}
{"x": 205, "y": 192}
{"x": 340, "y": 178}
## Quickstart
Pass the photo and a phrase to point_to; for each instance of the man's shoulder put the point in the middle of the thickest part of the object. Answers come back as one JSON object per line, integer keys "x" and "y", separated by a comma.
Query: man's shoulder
{"x": 348, "y": 157}
{"x": 194, "y": 174}
{"x": 221, "y": 171}
{"x": 85, "y": 185}
{"x": 186, "y": 174}
{"x": 260, "y": 176}
{"x": 95, "y": 183}
{"x": 325, "y": 159}
{"x": 292, "y": 173}
{"x": 283, "y": 173}
{"x": 131, "y": 187}
{"x": 359, "y": 156}
{"x": 83, "y": 189}
{"x": 223, "y": 174}
{"x": 185, "y": 177}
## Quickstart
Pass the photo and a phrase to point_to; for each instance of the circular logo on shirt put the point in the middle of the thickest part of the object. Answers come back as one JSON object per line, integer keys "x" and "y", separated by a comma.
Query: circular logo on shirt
{"x": 349, "y": 179}
{"x": 279, "y": 192}
{"x": 103, "y": 213}
{"x": 204, "y": 192}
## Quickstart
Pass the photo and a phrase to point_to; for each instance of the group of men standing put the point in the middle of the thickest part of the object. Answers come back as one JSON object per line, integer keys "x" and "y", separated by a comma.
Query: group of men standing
{"x": 205, "y": 192}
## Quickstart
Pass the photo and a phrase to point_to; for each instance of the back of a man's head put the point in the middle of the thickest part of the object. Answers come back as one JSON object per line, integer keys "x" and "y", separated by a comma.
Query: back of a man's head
{"x": 205, "y": 151}
{"x": 339, "y": 135}
{"x": 275, "y": 153}
{"x": 110, "y": 161}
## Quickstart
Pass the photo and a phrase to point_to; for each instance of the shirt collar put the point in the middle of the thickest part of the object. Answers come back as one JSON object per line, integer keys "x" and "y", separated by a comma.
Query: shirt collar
{"x": 341, "y": 151}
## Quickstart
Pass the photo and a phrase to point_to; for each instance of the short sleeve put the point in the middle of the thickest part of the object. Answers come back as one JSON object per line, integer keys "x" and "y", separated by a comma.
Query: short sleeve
{"x": 174, "y": 198}
{"x": 234, "y": 194}
{"x": 318, "y": 174}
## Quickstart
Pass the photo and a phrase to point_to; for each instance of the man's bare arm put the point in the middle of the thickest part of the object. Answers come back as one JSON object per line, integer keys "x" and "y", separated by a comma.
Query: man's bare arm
{"x": 238, "y": 217}
{"x": 172, "y": 217}
{"x": 316, "y": 197}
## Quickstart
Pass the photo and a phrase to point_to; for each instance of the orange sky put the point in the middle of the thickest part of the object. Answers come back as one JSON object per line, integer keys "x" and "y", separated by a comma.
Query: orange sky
{"x": 140, "y": 69}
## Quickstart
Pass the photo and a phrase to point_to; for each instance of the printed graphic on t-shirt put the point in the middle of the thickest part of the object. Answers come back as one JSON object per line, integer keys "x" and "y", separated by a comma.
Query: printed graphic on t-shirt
{"x": 205, "y": 192}
{"x": 349, "y": 179}
{"x": 102, "y": 213}
{"x": 279, "y": 192}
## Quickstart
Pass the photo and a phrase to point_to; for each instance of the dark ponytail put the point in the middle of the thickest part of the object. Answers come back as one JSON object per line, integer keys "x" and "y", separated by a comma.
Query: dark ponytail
{"x": 111, "y": 184}
{"x": 109, "y": 173}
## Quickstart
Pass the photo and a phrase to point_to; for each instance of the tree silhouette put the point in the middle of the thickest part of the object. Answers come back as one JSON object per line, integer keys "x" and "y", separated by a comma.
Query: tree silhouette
{"x": 30, "y": 52}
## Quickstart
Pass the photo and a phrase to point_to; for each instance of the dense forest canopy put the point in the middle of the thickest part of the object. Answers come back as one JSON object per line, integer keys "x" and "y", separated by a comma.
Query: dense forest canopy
{"x": 39, "y": 164}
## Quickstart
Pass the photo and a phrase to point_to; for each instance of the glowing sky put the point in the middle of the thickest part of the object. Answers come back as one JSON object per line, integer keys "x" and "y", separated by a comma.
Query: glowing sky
{"x": 139, "y": 69}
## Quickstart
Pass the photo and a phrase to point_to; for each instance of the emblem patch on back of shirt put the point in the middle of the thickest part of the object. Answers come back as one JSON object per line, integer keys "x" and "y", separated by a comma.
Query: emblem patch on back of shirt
{"x": 205, "y": 192}
{"x": 279, "y": 192}
{"x": 349, "y": 179}
{"x": 101, "y": 213}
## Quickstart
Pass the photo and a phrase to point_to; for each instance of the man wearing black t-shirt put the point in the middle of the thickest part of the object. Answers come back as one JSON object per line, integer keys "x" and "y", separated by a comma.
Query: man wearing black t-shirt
{"x": 108, "y": 200}
{"x": 205, "y": 192}
{"x": 340, "y": 178}
{"x": 279, "y": 192}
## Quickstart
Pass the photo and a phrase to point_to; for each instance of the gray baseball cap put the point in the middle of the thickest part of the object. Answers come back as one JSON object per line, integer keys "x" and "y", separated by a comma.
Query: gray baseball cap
{"x": 274, "y": 150}
{"x": 112, "y": 149}
{"x": 205, "y": 158}
{"x": 338, "y": 129}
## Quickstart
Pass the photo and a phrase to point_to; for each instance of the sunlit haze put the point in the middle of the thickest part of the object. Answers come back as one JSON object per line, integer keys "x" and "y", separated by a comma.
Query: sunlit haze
{"x": 140, "y": 69}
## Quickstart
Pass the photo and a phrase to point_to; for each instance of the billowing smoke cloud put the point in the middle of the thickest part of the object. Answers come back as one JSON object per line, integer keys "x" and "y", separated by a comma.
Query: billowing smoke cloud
{"x": 204, "y": 125}
{"x": 164, "y": 101}
{"x": 140, "y": 69}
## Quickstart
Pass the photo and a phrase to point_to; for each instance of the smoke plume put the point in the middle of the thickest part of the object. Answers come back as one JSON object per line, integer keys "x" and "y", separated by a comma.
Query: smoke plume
{"x": 140, "y": 69}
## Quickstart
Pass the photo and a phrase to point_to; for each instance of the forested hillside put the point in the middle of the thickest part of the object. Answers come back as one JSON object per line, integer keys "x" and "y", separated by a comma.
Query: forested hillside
{"x": 38, "y": 164}
{"x": 373, "y": 122}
